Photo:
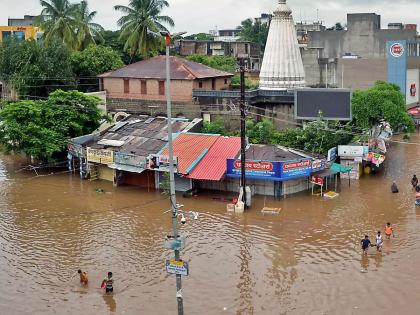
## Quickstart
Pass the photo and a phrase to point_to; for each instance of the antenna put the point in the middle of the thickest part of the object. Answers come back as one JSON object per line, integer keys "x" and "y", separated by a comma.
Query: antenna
{"x": 317, "y": 15}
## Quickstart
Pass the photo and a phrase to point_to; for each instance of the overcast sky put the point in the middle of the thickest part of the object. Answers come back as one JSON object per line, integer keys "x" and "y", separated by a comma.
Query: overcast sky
{"x": 196, "y": 16}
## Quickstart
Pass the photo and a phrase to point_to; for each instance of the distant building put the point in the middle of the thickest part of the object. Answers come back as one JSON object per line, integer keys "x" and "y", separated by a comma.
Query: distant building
{"x": 302, "y": 29}
{"x": 226, "y": 35}
{"x": 20, "y": 32}
{"x": 265, "y": 18}
{"x": 243, "y": 49}
{"x": 28, "y": 20}
{"x": 138, "y": 86}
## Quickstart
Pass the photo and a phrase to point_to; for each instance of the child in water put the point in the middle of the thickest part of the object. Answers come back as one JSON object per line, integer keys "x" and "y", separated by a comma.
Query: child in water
{"x": 108, "y": 284}
{"x": 379, "y": 241}
{"x": 83, "y": 277}
{"x": 389, "y": 231}
{"x": 365, "y": 244}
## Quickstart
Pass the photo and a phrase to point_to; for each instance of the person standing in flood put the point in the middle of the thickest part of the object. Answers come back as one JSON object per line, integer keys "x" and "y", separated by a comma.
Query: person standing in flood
{"x": 108, "y": 284}
{"x": 365, "y": 244}
{"x": 414, "y": 181}
{"x": 394, "y": 188}
{"x": 389, "y": 231}
{"x": 379, "y": 241}
{"x": 83, "y": 277}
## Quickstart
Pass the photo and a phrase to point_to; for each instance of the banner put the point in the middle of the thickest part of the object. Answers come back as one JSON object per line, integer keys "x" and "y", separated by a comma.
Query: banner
{"x": 130, "y": 160}
{"x": 295, "y": 169}
{"x": 255, "y": 169}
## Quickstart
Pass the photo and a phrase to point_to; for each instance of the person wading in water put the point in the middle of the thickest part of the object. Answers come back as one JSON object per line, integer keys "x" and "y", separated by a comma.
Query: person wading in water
{"x": 108, "y": 284}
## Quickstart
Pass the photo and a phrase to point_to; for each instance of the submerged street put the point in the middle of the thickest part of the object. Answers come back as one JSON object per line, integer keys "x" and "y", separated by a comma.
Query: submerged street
{"x": 307, "y": 260}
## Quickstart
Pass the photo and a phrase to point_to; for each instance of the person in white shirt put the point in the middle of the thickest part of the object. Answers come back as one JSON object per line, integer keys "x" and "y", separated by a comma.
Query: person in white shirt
{"x": 379, "y": 241}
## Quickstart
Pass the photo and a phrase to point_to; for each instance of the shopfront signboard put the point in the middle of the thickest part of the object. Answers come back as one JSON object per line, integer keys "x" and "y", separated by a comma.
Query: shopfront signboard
{"x": 332, "y": 154}
{"x": 100, "y": 156}
{"x": 318, "y": 165}
{"x": 160, "y": 163}
{"x": 255, "y": 169}
{"x": 317, "y": 180}
{"x": 130, "y": 160}
{"x": 296, "y": 169}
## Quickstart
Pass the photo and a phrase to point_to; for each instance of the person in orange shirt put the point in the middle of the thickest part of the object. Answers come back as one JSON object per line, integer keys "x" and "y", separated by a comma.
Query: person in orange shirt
{"x": 83, "y": 277}
{"x": 389, "y": 231}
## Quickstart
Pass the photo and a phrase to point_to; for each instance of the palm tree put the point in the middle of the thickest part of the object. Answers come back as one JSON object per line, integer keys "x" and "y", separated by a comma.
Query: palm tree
{"x": 141, "y": 24}
{"x": 86, "y": 29}
{"x": 58, "y": 22}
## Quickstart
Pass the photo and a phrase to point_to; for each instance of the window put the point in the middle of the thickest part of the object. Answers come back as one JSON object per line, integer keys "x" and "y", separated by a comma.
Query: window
{"x": 226, "y": 81}
{"x": 200, "y": 85}
{"x": 126, "y": 86}
{"x": 143, "y": 87}
{"x": 213, "y": 84}
{"x": 161, "y": 87}
{"x": 19, "y": 35}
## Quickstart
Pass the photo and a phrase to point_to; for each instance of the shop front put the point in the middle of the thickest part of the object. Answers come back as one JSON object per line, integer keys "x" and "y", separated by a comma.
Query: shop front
{"x": 98, "y": 164}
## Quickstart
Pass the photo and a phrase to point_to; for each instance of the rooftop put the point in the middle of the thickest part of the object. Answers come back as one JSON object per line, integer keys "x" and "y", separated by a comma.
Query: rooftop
{"x": 262, "y": 152}
{"x": 155, "y": 68}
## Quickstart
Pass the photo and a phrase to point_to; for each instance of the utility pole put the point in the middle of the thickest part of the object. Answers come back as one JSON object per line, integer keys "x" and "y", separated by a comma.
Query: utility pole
{"x": 243, "y": 129}
{"x": 174, "y": 206}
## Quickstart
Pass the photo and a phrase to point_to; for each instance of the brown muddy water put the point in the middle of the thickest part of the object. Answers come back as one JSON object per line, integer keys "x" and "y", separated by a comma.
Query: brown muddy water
{"x": 307, "y": 260}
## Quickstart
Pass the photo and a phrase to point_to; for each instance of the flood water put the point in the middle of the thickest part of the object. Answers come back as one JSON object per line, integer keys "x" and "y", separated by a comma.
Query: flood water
{"x": 307, "y": 260}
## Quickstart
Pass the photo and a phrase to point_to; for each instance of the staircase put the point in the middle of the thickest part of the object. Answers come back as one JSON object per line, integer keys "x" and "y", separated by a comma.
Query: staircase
{"x": 94, "y": 173}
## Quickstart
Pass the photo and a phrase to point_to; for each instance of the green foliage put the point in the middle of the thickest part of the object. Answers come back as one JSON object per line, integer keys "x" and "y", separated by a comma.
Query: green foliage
{"x": 199, "y": 36}
{"x": 92, "y": 61}
{"x": 336, "y": 27}
{"x": 249, "y": 84}
{"x": 222, "y": 63}
{"x": 214, "y": 127}
{"x": 383, "y": 101}
{"x": 41, "y": 128}
{"x": 141, "y": 24}
{"x": 318, "y": 137}
{"x": 69, "y": 23}
{"x": 33, "y": 69}
{"x": 254, "y": 31}
{"x": 260, "y": 132}
{"x": 112, "y": 39}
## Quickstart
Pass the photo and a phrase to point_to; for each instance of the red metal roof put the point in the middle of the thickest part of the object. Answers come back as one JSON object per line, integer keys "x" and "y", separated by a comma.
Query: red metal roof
{"x": 213, "y": 165}
{"x": 189, "y": 148}
{"x": 155, "y": 68}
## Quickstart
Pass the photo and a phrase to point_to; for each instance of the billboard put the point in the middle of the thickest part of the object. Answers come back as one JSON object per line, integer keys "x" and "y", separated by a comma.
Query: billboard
{"x": 296, "y": 169}
{"x": 334, "y": 104}
{"x": 397, "y": 63}
{"x": 255, "y": 169}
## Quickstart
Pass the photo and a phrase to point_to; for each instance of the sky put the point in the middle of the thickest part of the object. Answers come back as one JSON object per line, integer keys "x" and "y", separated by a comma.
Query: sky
{"x": 194, "y": 16}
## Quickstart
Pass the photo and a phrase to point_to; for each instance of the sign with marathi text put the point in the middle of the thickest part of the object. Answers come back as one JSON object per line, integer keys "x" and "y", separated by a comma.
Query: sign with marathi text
{"x": 296, "y": 169}
{"x": 317, "y": 180}
{"x": 255, "y": 169}
{"x": 100, "y": 156}
{"x": 177, "y": 267}
{"x": 130, "y": 160}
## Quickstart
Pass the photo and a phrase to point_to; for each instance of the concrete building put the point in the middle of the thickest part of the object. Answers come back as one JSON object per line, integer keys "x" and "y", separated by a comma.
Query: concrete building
{"x": 225, "y": 35}
{"x": 250, "y": 51}
{"x": 28, "y": 20}
{"x": 303, "y": 28}
{"x": 282, "y": 66}
{"x": 355, "y": 57}
{"x": 20, "y": 32}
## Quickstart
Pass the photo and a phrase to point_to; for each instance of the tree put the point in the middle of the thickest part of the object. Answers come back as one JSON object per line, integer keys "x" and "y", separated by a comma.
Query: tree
{"x": 260, "y": 132}
{"x": 336, "y": 27}
{"x": 227, "y": 64}
{"x": 87, "y": 30}
{"x": 112, "y": 39}
{"x": 199, "y": 36}
{"x": 94, "y": 60}
{"x": 254, "y": 31}
{"x": 141, "y": 24}
{"x": 41, "y": 129}
{"x": 57, "y": 19}
{"x": 214, "y": 127}
{"x": 35, "y": 70}
{"x": 384, "y": 101}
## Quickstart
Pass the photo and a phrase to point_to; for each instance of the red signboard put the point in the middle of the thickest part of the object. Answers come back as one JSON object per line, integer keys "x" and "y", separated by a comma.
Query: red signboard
{"x": 255, "y": 166}
{"x": 317, "y": 180}
{"x": 397, "y": 50}
{"x": 296, "y": 165}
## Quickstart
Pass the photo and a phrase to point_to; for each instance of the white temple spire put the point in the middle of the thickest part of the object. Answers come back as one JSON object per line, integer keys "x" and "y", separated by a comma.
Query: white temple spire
{"x": 282, "y": 65}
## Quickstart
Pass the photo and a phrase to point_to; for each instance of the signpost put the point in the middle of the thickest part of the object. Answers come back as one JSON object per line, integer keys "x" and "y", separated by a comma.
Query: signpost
{"x": 177, "y": 267}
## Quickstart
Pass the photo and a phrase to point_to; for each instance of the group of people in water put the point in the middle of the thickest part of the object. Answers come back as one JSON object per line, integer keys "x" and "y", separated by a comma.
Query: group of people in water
{"x": 107, "y": 284}
{"x": 366, "y": 243}
{"x": 416, "y": 186}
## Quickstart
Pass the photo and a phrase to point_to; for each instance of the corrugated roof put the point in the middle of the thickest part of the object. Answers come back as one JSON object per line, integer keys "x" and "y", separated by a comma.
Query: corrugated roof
{"x": 213, "y": 165}
{"x": 189, "y": 148}
{"x": 155, "y": 68}
{"x": 262, "y": 152}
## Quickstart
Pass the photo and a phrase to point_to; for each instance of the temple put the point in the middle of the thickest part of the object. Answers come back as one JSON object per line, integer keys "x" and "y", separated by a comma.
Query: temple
{"x": 282, "y": 66}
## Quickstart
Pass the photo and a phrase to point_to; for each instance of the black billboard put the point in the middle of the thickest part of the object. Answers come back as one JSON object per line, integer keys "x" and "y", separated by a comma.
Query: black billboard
{"x": 335, "y": 104}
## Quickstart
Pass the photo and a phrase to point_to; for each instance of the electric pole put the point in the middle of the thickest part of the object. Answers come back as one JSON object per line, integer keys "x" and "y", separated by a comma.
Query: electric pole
{"x": 174, "y": 206}
{"x": 243, "y": 129}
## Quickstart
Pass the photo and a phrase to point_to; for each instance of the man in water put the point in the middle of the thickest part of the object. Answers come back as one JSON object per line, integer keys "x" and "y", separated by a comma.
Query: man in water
{"x": 83, "y": 277}
{"x": 108, "y": 284}
{"x": 394, "y": 188}
{"x": 389, "y": 231}
{"x": 379, "y": 241}
{"x": 414, "y": 181}
{"x": 365, "y": 244}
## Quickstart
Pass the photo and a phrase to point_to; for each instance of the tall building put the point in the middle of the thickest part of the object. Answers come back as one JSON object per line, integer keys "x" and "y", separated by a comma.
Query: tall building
{"x": 282, "y": 65}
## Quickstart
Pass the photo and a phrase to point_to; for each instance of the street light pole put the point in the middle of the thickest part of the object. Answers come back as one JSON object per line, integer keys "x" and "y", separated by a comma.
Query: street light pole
{"x": 172, "y": 175}
{"x": 243, "y": 130}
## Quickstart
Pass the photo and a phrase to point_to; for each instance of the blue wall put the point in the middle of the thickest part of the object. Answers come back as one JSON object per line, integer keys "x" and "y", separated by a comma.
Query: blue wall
{"x": 397, "y": 65}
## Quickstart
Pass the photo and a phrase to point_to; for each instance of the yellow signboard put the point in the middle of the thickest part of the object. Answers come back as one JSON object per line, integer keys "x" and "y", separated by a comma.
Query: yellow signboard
{"x": 100, "y": 156}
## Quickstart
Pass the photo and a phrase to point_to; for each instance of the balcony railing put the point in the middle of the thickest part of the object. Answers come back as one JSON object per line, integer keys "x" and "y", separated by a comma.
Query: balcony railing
{"x": 236, "y": 93}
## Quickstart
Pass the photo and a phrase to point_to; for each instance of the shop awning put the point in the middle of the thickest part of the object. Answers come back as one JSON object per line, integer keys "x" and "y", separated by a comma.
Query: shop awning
{"x": 341, "y": 168}
{"x": 126, "y": 168}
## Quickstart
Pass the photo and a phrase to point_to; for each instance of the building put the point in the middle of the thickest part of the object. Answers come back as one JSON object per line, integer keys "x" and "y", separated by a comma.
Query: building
{"x": 303, "y": 28}
{"x": 282, "y": 66}
{"x": 28, "y": 20}
{"x": 225, "y": 35}
{"x": 247, "y": 50}
{"x": 20, "y": 32}
{"x": 355, "y": 57}
{"x": 140, "y": 87}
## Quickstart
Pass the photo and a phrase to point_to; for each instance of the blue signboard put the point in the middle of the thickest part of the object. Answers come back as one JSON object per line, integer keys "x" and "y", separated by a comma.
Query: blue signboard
{"x": 296, "y": 169}
{"x": 255, "y": 169}
{"x": 397, "y": 63}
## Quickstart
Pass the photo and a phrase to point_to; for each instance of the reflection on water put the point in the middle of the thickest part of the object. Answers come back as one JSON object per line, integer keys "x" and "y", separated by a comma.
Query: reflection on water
{"x": 307, "y": 260}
